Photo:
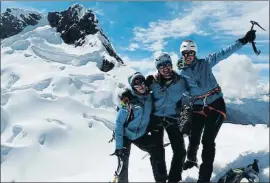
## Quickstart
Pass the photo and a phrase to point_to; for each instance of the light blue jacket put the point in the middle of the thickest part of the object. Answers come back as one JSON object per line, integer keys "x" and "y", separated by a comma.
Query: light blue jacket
{"x": 199, "y": 74}
{"x": 142, "y": 108}
{"x": 166, "y": 98}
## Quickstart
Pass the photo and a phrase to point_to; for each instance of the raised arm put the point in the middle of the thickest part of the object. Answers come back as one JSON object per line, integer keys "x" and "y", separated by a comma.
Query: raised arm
{"x": 216, "y": 57}
{"x": 119, "y": 127}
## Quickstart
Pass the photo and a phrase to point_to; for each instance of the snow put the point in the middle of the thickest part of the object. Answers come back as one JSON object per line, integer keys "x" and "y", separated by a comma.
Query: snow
{"x": 17, "y": 12}
{"x": 78, "y": 9}
{"x": 20, "y": 45}
{"x": 58, "y": 110}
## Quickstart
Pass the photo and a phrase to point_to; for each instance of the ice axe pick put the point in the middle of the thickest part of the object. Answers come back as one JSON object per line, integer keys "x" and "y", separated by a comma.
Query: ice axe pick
{"x": 257, "y": 52}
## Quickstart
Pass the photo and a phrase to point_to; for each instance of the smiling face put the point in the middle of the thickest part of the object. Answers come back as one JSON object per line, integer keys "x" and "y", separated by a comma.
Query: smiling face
{"x": 165, "y": 69}
{"x": 140, "y": 88}
{"x": 139, "y": 85}
{"x": 188, "y": 56}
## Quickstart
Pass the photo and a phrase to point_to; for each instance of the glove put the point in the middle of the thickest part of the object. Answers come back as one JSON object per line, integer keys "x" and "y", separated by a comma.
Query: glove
{"x": 248, "y": 38}
{"x": 189, "y": 164}
{"x": 126, "y": 94}
{"x": 119, "y": 153}
{"x": 149, "y": 80}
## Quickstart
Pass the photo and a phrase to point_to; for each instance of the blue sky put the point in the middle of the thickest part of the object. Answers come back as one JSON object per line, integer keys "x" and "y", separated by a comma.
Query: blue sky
{"x": 139, "y": 30}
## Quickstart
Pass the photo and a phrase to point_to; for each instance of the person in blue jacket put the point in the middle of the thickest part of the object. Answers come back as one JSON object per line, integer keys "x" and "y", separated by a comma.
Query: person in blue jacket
{"x": 168, "y": 89}
{"x": 209, "y": 110}
{"x": 132, "y": 128}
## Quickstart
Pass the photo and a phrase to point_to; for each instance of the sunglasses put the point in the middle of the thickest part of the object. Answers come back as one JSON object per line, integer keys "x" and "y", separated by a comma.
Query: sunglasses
{"x": 164, "y": 65}
{"x": 188, "y": 53}
{"x": 138, "y": 82}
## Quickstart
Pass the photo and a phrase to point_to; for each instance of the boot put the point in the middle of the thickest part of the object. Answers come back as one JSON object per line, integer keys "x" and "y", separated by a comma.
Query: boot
{"x": 190, "y": 164}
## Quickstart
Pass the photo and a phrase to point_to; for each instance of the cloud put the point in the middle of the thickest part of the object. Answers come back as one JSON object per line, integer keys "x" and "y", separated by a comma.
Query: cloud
{"x": 153, "y": 38}
{"x": 237, "y": 19}
{"x": 261, "y": 66}
{"x": 262, "y": 41}
{"x": 203, "y": 18}
{"x": 262, "y": 58}
{"x": 147, "y": 65}
{"x": 239, "y": 78}
{"x": 98, "y": 11}
{"x": 132, "y": 47}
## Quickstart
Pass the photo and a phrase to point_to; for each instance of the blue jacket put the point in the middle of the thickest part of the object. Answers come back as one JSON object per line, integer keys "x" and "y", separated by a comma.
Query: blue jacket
{"x": 166, "y": 98}
{"x": 199, "y": 74}
{"x": 141, "y": 107}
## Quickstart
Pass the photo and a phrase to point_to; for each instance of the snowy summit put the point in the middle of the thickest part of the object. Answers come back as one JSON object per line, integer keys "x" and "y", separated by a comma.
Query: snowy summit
{"x": 60, "y": 80}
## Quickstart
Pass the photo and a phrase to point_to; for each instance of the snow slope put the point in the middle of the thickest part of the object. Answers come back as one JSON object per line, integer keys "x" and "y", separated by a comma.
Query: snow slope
{"x": 58, "y": 110}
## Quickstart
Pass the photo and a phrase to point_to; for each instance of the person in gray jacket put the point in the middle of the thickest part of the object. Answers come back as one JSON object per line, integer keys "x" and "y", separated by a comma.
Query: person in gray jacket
{"x": 209, "y": 110}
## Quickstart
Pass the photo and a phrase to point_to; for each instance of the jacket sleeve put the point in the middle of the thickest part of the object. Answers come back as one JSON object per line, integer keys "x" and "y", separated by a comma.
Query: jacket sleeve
{"x": 216, "y": 57}
{"x": 119, "y": 127}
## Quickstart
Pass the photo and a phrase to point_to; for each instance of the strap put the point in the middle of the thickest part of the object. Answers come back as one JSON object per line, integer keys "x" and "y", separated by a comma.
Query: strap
{"x": 215, "y": 90}
{"x": 113, "y": 137}
{"x": 129, "y": 108}
{"x": 124, "y": 101}
{"x": 201, "y": 112}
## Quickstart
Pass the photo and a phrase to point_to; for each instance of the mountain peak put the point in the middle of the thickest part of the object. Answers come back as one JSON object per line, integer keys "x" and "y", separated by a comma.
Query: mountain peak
{"x": 76, "y": 6}
{"x": 76, "y": 11}
{"x": 76, "y": 25}
{"x": 14, "y": 20}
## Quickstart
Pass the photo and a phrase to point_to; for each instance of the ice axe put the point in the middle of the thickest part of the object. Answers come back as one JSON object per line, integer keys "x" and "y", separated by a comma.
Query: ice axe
{"x": 257, "y": 52}
{"x": 118, "y": 170}
{"x": 164, "y": 145}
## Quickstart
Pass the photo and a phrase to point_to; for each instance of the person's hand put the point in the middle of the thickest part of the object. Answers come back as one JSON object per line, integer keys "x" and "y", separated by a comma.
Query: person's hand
{"x": 119, "y": 153}
{"x": 149, "y": 80}
{"x": 248, "y": 38}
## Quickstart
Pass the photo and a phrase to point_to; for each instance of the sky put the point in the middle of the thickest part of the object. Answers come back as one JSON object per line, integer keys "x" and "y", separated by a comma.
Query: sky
{"x": 140, "y": 30}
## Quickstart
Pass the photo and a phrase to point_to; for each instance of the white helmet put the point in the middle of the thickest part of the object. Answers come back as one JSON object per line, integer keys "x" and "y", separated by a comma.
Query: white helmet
{"x": 188, "y": 45}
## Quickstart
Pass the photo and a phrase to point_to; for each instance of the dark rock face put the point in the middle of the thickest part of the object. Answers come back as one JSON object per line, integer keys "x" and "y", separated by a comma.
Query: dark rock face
{"x": 14, "y": 20}
{"x": 106, "y": 65}
{"x": 74, "y": 24}
{"x": 109, "y": 48}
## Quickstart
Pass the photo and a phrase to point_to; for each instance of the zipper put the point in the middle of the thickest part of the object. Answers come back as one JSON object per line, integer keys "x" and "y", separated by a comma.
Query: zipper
{"x": 193, "y": 76}
{"x": 138, "y": 128}
{"x": 166, "y": 98}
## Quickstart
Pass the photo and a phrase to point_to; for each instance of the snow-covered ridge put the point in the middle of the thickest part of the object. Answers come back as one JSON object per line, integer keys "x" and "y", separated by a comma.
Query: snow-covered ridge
{"x": 42, "y": 78}
{"x": 75, "y": 26}
{"x": 22, "y": 14}
{"x": 14, "y": 20}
